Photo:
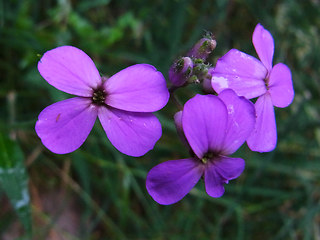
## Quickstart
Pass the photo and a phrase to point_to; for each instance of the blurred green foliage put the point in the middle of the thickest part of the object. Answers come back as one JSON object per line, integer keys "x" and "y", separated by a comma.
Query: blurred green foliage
{"x": 14, "y": 181}
{"x": 277, "y": 196}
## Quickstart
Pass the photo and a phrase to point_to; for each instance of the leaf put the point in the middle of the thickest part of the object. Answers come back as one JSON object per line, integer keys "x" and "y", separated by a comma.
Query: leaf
{"x": 14, "y": 180}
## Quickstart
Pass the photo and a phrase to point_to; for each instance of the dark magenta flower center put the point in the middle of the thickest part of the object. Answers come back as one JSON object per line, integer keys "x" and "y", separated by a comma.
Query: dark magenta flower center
{"x": 99, "y": 96}
{"x": 208, "y": 156}
{"x": 266, "y": 80}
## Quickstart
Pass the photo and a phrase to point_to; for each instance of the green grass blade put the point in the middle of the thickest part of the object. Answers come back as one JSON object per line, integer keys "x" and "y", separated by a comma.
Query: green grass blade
{"x": 14, "y": 180}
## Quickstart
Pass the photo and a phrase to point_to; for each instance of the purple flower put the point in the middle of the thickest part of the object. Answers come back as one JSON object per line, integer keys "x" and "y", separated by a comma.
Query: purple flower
{"x": 214, "y": 127}
{"x": 251, "y": 78}
{"x": 123, "y": 103}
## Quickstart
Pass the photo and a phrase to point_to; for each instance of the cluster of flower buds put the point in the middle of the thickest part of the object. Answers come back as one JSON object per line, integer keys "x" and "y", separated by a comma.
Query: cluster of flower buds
{"x": 193, "y": 67}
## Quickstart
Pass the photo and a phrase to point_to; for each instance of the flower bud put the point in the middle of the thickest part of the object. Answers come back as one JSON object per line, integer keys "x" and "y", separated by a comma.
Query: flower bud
{"x": 178, "y": 124}
{"x": 206, "y": 84}
{"x": 180, "y": 71}
{"x": 203, "y": 48}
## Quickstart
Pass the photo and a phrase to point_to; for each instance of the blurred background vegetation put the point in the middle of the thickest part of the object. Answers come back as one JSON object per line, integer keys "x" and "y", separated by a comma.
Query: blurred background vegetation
{"x": 97, "y": 192}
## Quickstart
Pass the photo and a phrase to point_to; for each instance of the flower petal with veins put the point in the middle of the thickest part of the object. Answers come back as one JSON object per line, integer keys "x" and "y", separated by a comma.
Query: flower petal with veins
{"x": 138, "y": 88}
{"x": 264, "y": 136}
{"x": 131, "y": 133}
{"x": 170, "y": 181}
{"x": 70, "y": 70}
{"x": 241, "y": 72}
{"x": 64, "y": 126}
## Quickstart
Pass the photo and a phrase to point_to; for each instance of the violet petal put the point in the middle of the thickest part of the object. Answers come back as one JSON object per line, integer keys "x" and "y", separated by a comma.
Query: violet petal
{"x": 264, "y": 136}
{"x": 241, "y": 120}
{"x": 131, "y": 133}
{"x": 213, "y": 181}
{"x": 138, "y": 88}
{"x": 264, "y": 45}
{"x": 170, "y": 181}
{"x": 240, "y": 72}
{"x": 229, "y": 168}
{"x": 64, "y": 126}
{"x": 69, "y": 69}
{"x": 280, "y": 86}
{"x": 219, "y": 171}
{"x": 204, "y": 121}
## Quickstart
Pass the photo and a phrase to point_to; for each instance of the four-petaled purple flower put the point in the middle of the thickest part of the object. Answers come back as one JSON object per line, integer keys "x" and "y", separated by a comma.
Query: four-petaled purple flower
{"x": 214, "y": 127}
{"x": 123, "y": 103}
{"x": 251, "y": 78}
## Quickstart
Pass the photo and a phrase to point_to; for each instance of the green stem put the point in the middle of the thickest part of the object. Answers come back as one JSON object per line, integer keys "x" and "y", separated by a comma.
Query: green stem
{"x": 174, "y": 98}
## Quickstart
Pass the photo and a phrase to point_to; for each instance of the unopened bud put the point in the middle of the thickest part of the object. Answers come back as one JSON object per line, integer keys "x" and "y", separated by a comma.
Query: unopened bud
{"x": 178, "y": 124}
{"x": 178, "y": 121}
{"x": 203, "y": 48}
{"x": 206, "y": 84}
{"x": 180, "y": 71}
